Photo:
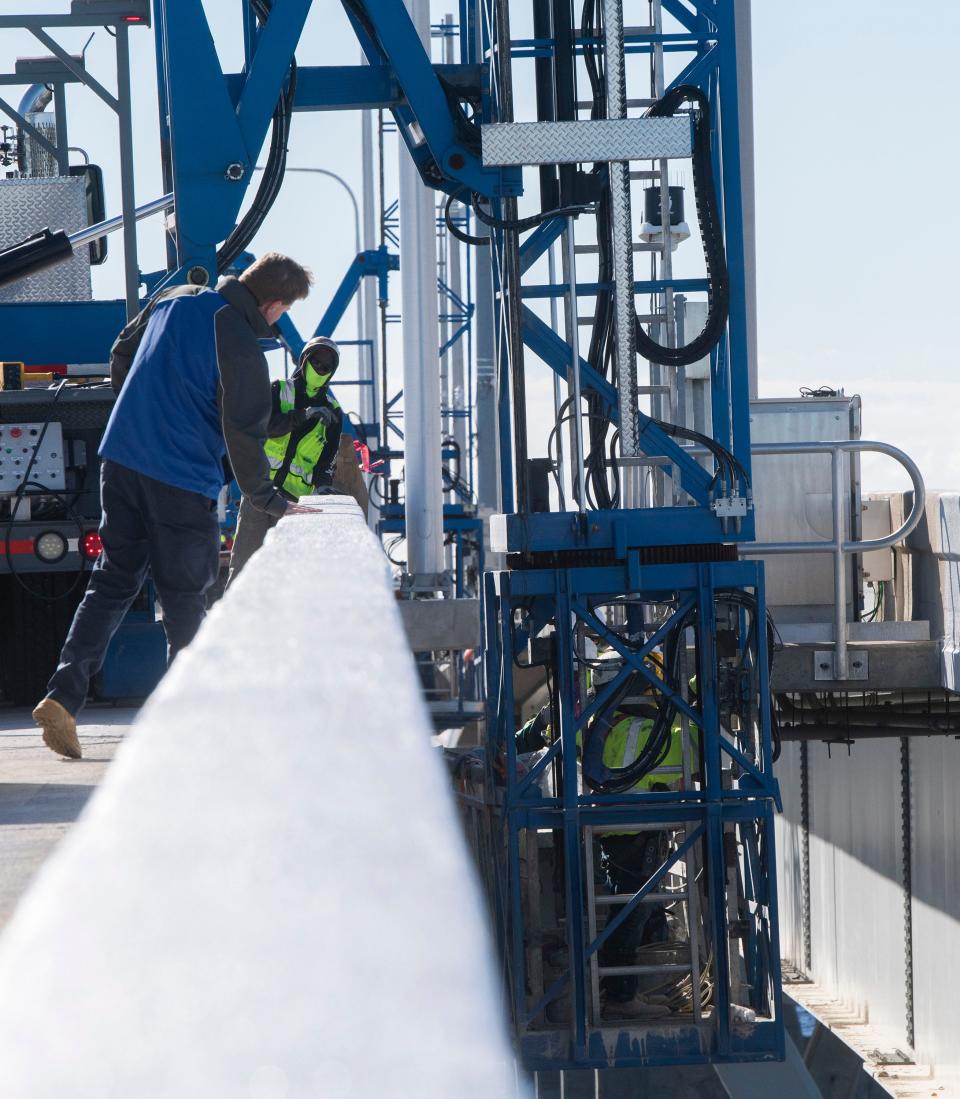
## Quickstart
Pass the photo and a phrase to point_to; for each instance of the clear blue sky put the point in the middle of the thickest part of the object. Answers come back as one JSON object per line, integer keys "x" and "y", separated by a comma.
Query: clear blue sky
{"x": 858, "y": 226}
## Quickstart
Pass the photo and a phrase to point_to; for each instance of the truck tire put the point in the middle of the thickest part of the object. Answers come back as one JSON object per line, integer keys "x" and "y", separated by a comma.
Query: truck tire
{"x": 34, "y": 630}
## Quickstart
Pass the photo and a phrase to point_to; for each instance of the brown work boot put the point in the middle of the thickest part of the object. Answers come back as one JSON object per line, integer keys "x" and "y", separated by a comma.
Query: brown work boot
{"x": 59, "y": 728}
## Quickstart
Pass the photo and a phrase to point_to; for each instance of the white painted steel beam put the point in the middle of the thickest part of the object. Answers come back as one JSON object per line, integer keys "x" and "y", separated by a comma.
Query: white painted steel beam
{"x": 269, "y": 895}
{"x": 423, "y": 485}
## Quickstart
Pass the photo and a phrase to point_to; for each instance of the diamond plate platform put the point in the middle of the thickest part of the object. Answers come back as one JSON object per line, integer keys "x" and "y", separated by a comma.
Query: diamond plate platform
{"x": 26, "y": 206}
{"x": 613, "y": 139}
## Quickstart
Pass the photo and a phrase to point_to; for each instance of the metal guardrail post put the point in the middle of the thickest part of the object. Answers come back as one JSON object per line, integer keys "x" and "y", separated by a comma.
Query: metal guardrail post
{"x": 838, "y": 546}
{"x": 839, "y": 571}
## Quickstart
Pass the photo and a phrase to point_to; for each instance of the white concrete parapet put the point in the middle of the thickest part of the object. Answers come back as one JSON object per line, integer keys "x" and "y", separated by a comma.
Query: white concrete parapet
{"x": 269, "y": 896}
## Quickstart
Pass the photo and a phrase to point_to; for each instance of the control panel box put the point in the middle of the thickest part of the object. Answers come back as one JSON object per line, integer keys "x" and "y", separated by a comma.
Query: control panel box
{"x": 18, "y": 445}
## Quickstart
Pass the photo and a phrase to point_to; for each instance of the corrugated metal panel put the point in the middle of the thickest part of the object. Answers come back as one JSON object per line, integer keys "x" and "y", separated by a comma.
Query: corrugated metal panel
{"x": 857, "y": 896}
{"x": 793, "y": 494}
{"x": 935, "y": 770}
{"x": 26, "y": 207}
{"x": 40, "y": 161}
{"x": 789, "y": 859}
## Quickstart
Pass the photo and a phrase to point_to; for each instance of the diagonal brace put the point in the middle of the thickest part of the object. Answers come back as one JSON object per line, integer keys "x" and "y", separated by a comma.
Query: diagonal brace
{"x": 638, "y": 897}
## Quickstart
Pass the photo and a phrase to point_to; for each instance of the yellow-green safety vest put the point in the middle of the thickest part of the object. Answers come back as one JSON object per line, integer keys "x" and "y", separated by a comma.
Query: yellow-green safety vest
{"x": 298, "y": 480}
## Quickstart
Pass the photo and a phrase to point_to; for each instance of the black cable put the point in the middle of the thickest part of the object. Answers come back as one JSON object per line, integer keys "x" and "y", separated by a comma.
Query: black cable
{"x": 708, "y": 215}
{"x": 456, "y": 231}
{"x": 657, "y": 745}
{"x": 563, "y": 419}
{"x": 725, "y": 460}
{"x": 600, "y": 353}
{"x": 276, "y": 165}
{"x": 521, "y": 225}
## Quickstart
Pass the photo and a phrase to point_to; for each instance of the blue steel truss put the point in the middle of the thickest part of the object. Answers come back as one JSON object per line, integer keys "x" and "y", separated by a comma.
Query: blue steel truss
{"x": 565, "y": 566}
{"x": 724, "y": 803}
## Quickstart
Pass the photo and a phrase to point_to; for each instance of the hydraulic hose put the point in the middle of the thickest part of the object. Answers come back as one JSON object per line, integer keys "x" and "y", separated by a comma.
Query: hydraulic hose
{"x": 708, "y": 214}
{"x": 275, "y": 167}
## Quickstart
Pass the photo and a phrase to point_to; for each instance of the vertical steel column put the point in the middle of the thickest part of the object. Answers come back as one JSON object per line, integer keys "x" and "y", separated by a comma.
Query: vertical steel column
{"x": 714, "y": 850}
{"x": 369, "y": 394}
{"x": 733, "y": 199}
{"x": 839, "y": 569}
{"x": 458, "y": 376}
{"x": 488, "y": 455}
{"x": 421, "y": 363}
{"x": 63, "y": 140}
{"x": 163, "y": 109}
{"x": 557, "y": 391}
{"x": 579, "y": 474}
{"x": 127, "y": 191}
{"x": 622, "y": 222}
{"x": 510, "y": 304}
{"x": 458, "y": 390}
{"x": 744, "y": 40}
{"x": 572, "y": 833}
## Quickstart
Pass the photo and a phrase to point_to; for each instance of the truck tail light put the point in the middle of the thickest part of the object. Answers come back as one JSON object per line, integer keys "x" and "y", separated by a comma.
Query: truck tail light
{"x": 92, "y": 546}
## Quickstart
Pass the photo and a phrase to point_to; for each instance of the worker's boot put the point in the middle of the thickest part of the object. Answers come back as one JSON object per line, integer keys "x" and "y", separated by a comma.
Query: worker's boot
{"x": 59, "y": 728}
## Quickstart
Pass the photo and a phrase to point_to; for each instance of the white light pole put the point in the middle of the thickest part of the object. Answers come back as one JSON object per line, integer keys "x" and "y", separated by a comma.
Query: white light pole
{"x": 365, "y": 401}
{"x": 421, "y": 361}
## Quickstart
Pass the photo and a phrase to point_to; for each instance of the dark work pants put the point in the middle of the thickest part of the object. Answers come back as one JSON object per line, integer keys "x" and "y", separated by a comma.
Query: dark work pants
{"x": 145, "y": 524}
{"x": 630, "y": 861}
{"x": 252, "y": 527}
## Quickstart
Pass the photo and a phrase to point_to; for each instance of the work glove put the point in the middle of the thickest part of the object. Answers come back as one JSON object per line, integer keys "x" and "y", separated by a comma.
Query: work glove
{"x": 325, "y": 415}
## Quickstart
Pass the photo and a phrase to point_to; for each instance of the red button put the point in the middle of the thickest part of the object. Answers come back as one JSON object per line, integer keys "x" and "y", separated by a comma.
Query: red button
{"x": 16, "y": 432}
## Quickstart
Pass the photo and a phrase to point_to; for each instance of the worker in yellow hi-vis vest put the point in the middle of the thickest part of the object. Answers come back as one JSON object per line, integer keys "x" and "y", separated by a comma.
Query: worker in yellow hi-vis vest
{"x": 628, "y": 859}
{"x": 303, "y": 436}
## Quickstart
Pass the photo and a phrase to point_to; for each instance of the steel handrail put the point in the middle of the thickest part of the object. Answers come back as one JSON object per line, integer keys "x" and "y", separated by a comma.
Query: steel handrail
{"x": 838, "y": 545}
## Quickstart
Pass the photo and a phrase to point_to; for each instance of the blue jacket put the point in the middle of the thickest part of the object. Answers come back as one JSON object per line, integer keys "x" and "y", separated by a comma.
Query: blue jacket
{"x": 193, "y": 387}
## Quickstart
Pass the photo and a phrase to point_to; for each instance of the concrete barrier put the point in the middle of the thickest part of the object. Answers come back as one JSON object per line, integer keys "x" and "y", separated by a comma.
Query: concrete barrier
{"x": 269, "y": 896}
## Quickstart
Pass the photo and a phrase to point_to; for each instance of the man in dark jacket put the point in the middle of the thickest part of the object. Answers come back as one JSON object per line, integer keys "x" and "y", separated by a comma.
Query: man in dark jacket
{"x": 193, "y": 389}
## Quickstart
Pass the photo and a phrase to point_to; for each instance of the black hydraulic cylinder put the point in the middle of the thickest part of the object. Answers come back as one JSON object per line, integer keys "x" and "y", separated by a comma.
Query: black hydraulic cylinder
{"x": 36, "y": 253}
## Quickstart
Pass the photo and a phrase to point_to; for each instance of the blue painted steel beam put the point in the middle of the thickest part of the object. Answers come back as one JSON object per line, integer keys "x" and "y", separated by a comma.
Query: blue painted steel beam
{"x": 276, "y": 42}
{"x": 699, "y": 69}
{"x": 373, "y": 263}
{"x": 353, "y": 87}
{"x": 590, "y": 289}
{"x": 53, "y": 332}
{"x": 207, "y": 134}
{"x": 556, "y": 353}
{"x": 682, "y": 14}
{"x": 539, "y": 241}
{"x": 458, "y": 159}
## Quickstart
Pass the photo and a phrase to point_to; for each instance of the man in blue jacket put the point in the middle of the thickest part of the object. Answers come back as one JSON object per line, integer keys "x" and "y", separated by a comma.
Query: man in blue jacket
{"x": 193, "y": 388}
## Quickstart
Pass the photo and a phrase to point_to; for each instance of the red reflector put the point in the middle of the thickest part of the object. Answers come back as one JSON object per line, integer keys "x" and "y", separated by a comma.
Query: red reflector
{"x": 21, "y": 545}
{"x": 133, "y": 19}
{"x": 92, "y": 546}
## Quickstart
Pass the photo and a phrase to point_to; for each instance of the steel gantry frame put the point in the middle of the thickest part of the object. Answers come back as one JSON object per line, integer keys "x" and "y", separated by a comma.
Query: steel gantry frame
{"x": 625, "y": 578}
{"x": 636, "y": 581}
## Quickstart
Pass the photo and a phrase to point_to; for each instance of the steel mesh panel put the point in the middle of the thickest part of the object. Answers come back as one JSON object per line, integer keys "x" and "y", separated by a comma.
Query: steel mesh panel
{"x": 40, "y": 161}
{"x": 517, "y": 143}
